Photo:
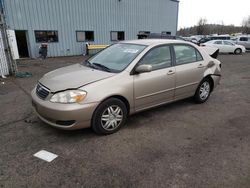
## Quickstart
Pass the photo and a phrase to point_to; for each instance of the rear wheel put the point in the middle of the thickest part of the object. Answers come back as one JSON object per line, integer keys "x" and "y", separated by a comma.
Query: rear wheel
{"x": 238, "y": 51}
{"x": 203, "y": 91}
{"x": 109, "y": 116}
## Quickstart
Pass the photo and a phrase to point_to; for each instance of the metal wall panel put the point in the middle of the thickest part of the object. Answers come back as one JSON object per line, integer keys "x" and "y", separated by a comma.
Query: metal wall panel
{"x": 101, "y": 16}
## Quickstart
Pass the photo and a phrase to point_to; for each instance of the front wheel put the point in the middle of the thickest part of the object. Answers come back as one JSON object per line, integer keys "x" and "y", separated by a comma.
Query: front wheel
{"x": 109, "y": 116}
{"x": 238, "y": 51}
{"x": 203, "y": 91}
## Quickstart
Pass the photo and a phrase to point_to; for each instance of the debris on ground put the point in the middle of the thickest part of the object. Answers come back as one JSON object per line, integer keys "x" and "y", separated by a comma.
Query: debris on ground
{"x": 23, "y": 74}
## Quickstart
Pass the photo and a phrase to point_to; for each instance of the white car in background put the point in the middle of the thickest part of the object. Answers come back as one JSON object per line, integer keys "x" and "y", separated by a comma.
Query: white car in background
{"x": 225, "y": 46}
{"x": 244, "y": 41}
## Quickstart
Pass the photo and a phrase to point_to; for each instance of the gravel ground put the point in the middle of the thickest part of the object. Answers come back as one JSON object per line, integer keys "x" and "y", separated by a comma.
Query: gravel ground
{"x": 177, "y": 145}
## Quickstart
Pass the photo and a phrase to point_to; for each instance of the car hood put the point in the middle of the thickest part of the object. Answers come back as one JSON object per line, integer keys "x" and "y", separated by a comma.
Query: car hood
{"x": 72, "y": 77}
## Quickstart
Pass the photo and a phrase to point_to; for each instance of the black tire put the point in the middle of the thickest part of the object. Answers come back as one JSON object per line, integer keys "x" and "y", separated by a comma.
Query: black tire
{"x": 199, "y": 97}
{"x": 238, "y": 51}
{"x": 99, "y": 125}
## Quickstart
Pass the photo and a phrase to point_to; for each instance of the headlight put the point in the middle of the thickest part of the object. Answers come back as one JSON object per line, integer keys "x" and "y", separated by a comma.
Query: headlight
{"x": 70, "y": 96}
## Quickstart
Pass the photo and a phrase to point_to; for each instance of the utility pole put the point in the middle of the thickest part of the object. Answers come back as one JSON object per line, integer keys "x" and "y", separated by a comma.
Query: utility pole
{"x": 3, "y": 29}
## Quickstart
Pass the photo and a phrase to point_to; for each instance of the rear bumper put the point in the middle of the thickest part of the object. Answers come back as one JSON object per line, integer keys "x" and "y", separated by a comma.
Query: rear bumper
{"x": 63, "y": 116}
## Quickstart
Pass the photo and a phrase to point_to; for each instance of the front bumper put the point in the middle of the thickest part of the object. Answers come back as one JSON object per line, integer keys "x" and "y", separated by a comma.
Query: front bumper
{"x": 63, "y": 116}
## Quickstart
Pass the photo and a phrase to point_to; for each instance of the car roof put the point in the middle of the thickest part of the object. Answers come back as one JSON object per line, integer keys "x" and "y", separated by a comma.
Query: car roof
{"x": 211, "y": 41}
{"x": 245, "y": 36}
{"x": 150, "y": 42}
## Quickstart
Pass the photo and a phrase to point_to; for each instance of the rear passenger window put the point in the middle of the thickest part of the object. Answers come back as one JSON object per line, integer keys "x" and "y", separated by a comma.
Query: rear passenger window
{"x": 186, "y": 54}
{"x": 243, "y": 39}
{"x": 199, "y": 57}
{"x": 158, "y": 58}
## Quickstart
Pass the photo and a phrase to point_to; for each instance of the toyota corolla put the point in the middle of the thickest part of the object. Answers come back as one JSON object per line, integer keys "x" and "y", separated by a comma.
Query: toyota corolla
{"x": 124, "y": 79}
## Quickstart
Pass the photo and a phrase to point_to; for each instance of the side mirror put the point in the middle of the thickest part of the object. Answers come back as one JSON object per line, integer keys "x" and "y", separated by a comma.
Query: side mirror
{"x": 143, "y": 68}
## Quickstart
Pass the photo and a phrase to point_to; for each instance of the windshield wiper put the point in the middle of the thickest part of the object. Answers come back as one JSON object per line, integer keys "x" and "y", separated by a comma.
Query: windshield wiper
{"x": 88, "y": 64}
{"x": 103, "y": 67}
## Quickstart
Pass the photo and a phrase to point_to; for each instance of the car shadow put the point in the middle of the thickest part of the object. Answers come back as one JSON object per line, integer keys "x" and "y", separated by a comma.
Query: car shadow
{"x": 133, "y": 122}
{"x": 47, "y": 131}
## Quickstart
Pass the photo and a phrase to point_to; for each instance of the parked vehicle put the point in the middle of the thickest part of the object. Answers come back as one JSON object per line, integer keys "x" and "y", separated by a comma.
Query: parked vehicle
{"x": 213, "y": 52}
{"x": 244, "y": 41}
{"x": 204, "y": 40}
{"x": 226, "y": 46}
{"x": 190, "y": 39}
{"x": 219, "y": 37}
{"x": 158, "y": 36}
{"x": 124, "y": 79}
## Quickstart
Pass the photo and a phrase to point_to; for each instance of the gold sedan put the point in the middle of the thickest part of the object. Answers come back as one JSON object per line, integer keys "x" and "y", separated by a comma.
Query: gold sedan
{"x": 124, "y": 79}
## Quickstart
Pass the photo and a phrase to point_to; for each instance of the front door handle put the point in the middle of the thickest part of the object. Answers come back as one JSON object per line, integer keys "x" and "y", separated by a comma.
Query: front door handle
{"x": 201, "y": 66}
{"x": 170, "y": 72}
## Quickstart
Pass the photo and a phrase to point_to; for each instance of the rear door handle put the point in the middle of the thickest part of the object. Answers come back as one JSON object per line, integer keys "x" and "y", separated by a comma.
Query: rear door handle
{"x": 170, "y": 72}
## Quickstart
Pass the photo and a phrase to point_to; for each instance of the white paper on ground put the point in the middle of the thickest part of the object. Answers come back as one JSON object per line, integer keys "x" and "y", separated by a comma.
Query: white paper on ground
{"x": 45, "y": 155}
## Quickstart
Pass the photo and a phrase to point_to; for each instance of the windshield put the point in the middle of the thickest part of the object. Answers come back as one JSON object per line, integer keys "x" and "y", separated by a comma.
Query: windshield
{"x": 116, "y": 57}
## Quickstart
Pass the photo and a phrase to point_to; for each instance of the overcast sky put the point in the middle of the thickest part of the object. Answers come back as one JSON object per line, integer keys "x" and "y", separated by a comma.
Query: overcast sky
{"x": 215, "y": 11}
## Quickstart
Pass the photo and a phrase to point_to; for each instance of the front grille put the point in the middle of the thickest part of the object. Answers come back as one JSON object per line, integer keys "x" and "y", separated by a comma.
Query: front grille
{"x": 42, "y": 91}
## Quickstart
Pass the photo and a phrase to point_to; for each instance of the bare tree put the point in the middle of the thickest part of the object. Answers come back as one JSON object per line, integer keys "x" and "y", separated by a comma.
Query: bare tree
{"x": 246, "y": 25}
{"x": 201, "y": 26}
{"x": 221, "y": 28}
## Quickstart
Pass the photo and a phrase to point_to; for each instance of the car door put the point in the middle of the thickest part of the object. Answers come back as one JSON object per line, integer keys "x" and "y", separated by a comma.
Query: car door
{"x": 243, "y": 41}
{"x": 155, "y": 87}
{"x": 248, "y": 43}
{"x": 229, "y": 47}
{"x": 189, "y": 67}
{"x": 219, "y": 44}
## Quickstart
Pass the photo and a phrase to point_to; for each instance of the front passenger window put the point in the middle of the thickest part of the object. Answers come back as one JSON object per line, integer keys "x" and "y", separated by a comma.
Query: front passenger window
{"x": 228, "y": 43}
{"x": 218, "y": 42}
{"x": 158, "y": 58}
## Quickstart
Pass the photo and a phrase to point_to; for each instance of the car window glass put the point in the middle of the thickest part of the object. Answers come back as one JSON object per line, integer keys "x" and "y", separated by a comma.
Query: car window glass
{"x": 218, "y": 42}
{"x": 185, "y": 54}
{"x": 158, "y": 58}
{"x": 243, "y": 39}
{"x": 228, "y": 43}
{"x": 199, "y": 57}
